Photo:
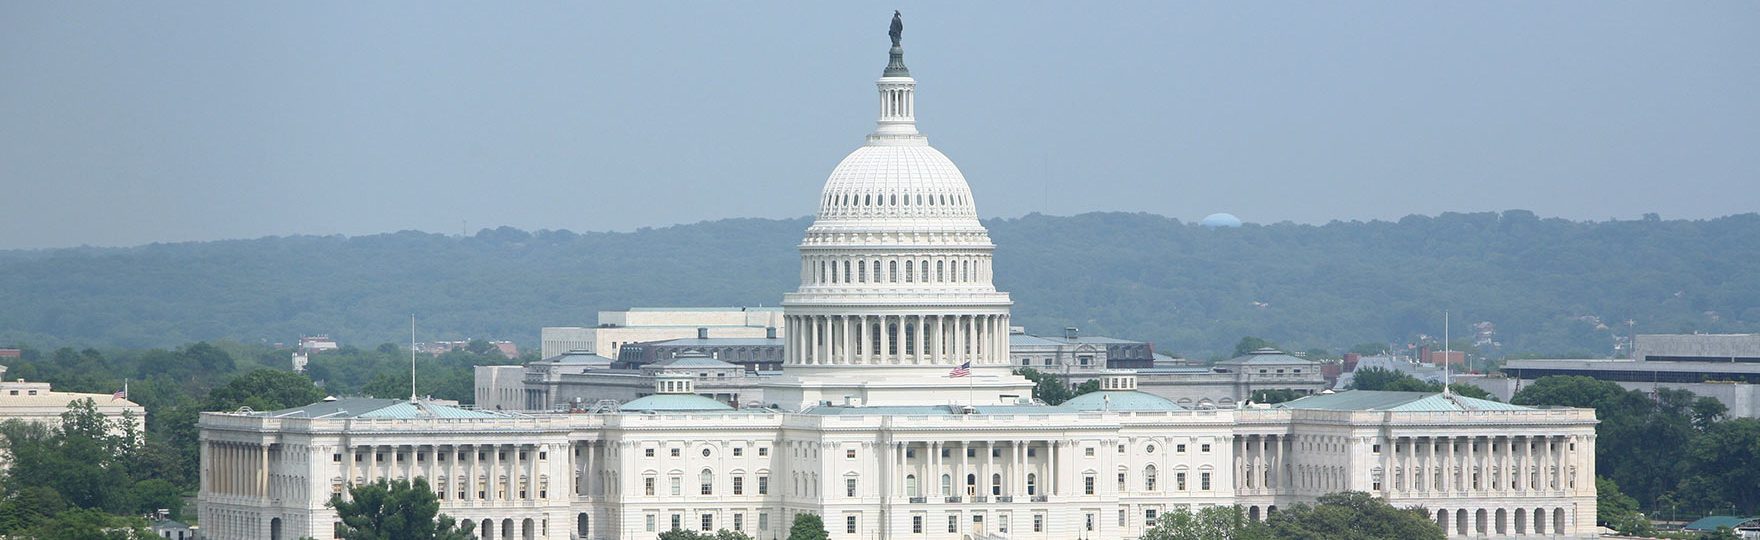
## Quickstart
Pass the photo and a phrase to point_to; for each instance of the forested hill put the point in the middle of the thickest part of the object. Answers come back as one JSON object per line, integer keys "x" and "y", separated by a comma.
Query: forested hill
{"x": 1544, "y": 283}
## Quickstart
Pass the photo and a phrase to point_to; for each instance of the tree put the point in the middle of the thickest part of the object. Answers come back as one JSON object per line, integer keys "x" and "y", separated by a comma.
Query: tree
{"x": 396, "y": 510}
{"x": 1727, "y": 455}
{"x": 1249, "y": 344}
{"x": 1617, "y": 511}
{"x": 1046, "y": 387}
{"x": 1353, "y": 515}
{"x": 1212, "y": 523}
{"x": 265, "y": 390}
{"x": 808, "y": 527}
{"x": 88, "y": 524}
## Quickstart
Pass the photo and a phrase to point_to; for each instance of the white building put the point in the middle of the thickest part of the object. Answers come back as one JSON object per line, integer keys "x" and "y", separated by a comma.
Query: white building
{"x": 637, "y": 325}
{"x": 36, "y": 402}
{"x": 875, "y": 433}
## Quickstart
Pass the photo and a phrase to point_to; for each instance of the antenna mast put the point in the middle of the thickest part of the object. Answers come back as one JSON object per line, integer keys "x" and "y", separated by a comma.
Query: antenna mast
{"x": 412, "y": 357}
{"x": 1447, "y": 358}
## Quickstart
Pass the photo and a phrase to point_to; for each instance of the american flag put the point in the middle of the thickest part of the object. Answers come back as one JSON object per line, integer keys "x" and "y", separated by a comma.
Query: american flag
{"x": 964, "y": 370}
{"x": 122, "y": 394}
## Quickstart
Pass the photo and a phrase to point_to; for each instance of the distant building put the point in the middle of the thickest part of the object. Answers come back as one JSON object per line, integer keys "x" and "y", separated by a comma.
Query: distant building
{"x": 637, "y": 325}
{"x": 1076, "y": 356}
{"x": 755, "y": 354}
{"x": 318, "y": 343}
{"x": 1722, "y": 366}
{"x": 171, "y": 529}
{"x": 38, "y": 403}
{"x": 11, "y": 353}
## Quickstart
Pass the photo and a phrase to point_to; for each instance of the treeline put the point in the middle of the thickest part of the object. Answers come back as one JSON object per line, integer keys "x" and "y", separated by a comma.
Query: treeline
{"x": 1550, "y": 286}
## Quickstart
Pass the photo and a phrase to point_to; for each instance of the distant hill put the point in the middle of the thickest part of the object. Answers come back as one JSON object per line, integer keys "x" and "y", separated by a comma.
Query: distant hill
{"x": 1544, "y": 283}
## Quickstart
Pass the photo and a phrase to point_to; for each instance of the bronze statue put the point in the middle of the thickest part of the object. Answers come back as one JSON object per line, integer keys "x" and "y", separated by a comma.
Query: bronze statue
{"x": 897, "y": 28}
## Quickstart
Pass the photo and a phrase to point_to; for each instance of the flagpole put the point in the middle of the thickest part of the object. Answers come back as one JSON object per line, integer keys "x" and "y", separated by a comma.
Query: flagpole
{"x": 1446, "y": 360}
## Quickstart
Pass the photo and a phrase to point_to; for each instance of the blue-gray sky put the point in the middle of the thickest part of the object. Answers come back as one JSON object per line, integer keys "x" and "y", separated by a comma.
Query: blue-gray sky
{"x": 131, "y": 122}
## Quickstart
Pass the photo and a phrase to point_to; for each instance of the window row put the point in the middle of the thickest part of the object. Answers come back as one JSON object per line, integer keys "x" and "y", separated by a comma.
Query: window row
{"x": 839, "y": 270}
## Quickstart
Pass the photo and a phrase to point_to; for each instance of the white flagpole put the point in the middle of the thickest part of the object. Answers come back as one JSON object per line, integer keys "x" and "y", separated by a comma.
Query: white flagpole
{"x": 1446, "y": 357}
{"x": 412, "y": 357}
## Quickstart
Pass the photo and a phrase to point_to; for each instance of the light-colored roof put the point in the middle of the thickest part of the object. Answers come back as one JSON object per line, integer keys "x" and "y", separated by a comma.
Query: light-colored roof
{"x": 716, "y": 342}
{"x": 379, "y": 408}
{"x": 929, "y": 410}
{"x": 694, "y": 361}
{"x": 674, "y": 403}
{"x": 1378, "y": 400}
{"x": 578, "y": 357}
{"x": 1120, "y": 400}
{"x": 1265, "y": 356}
{"x": 60, "y": 400}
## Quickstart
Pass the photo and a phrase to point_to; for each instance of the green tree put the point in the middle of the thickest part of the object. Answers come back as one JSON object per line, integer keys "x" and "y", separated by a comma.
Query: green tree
{"x": 156, "y": 494}
{"x": 1249, "y": 344}
{"x": 87, "y": 524}
{"x": 396, "y": 510}
{"x": 808, "y": 527}
{"x": 265, "y": 390}
{"x": 1728, "y": 456}
{"x": 1353, "y": 515}
{"x": 26, "y": 508}
{"x": 1212, "y": 523}
{"x": 723, "y": 534}
{"x": 1047, "y": 387}
{"x": 1617, "y": 511}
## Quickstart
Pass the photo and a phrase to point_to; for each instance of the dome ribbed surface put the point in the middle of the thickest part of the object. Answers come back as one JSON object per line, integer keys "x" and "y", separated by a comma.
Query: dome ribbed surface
{"x": 896, "y": 180}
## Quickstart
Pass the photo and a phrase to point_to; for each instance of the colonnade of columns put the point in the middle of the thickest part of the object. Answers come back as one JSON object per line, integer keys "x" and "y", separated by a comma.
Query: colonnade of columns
{"x": 236, "y": 468}
{"x": 897, "y": 102}
{"x": 815, "y": 340}
{"x": 1498, "y": 464}
{"x": 459, "y": 473}
{"x": 1027, "y": 470}
{"x": 1261, "y": 462}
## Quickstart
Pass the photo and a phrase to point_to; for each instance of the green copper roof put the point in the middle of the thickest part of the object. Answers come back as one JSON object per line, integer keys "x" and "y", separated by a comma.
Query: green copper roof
{"x": 1120, "y": 400}
{"x": 1711, "y": 523}
{"x": 1373, "y": 400}
{"x": 674, "y": 403}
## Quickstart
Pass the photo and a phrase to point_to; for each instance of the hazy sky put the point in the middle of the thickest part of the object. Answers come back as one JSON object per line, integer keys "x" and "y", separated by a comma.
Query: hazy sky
{"x": 132, "y": 122}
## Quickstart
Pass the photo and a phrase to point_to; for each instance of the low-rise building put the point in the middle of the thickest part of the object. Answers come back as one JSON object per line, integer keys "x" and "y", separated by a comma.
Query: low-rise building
{"x": 1722, "y": 366}
{"x": 37, "y": 402}
{"x": 637, "y": 325}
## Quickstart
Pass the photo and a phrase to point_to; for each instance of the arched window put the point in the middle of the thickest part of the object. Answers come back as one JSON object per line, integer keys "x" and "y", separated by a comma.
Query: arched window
{"x": 1032, "y": 484}
{"x": 946, "y": 485}
{"x": 707, "y": 479}
{"x": 972, "y": 484}
{"x": 876, "y": 268}
{"x": 846, "y": 271}
{"x": 910, "y": 273}
{"x": 996, "y": 484}
{"x": 940, "y": 272}
{"x": 1149, "y": 478}
{"x": 892, "y": 268}
{"x": 910, "y": 485}
{"x": 862, "y": 271}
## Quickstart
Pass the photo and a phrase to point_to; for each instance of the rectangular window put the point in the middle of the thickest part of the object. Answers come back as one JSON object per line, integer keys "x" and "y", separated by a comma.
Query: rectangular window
{"x": 648, "y": 452}
{"x": 1088, "y": 451}
{"x": 1088, "y": 485}
{"x": 708, "y": 522}
{"x": 1205, "y": 448}
{"x": 1090, "y": 523}
{"x": 1002, "y": 523}
{"x": 916, "y": 524}
{"x": 739, "y": 485}
{"x": 674, "y": 452}
{"x": 849, "y": 454}
{"x": 763, "y": 451}
{"x": 1121, "y": 517}
{"x": 1148, "y": 517}
{"x": 708, "y": 485}
{"x": 1376, "y": 449}
{"x": 849, "y": 524}
{"x": 1038, "y": 522}
{"x": 849, "y": 487}
{"x": 650, "y": 519}
{"x": 336, "y": 458}
{"x": 1204, "y": 481}
{"x": 763, "y": 521}
{"x": 763, "y": 485}
{"x": 739, "y": 522}
{"x": 953, "y": 523}
{"x": 677, "y": 486}
{"x": 737, "y": 452}
{"x": 1121, "y": 486}
{"x": 677, "y": 521}
{"x": 1121, "y": 449}
{"x": 1179, "y": 480}
{"x": 648, "y": 486}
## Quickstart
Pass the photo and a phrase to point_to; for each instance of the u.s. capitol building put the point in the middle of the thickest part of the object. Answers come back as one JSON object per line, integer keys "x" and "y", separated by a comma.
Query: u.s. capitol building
{"x": 875, "y": 429}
